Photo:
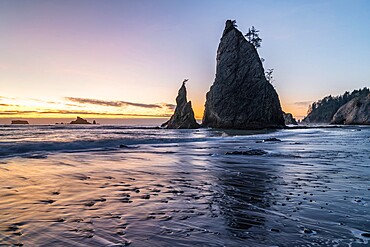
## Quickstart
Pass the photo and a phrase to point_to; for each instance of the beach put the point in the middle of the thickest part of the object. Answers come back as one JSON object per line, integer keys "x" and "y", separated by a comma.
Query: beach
{"x": 111, "y": 185}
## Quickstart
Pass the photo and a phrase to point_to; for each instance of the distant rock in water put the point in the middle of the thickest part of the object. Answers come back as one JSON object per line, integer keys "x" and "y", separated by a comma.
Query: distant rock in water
{"x": 240, "y": 97}
{"x": 323, "y": 111}
{"x": 80, "y": 121}
{"x": 289, "y": 119}
{"x": 356, "y": 111}
{"x": 183, "y": 117}
{"x": 248, "y": 152}
{"x": 19, "y": 122}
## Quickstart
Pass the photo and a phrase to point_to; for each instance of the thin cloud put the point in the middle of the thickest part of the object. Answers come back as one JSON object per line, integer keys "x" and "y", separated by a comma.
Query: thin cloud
{"x": 46, "y": 112}
{"x": 170, "y": 106}
{"x": 9, "y": 105}
{"x": 101, "y": 113}
{"x": 73, "y": 105}
{"x": 110, "y": 103}
{"x": 303, "y": 103}
{"x": 16, "y": 112}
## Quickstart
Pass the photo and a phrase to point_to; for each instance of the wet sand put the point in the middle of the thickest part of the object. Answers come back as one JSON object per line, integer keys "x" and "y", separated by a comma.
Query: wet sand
{"x": 310, "y": 188}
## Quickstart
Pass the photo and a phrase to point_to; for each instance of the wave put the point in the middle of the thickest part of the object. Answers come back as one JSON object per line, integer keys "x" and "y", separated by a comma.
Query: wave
{"x": 29, "y": 149}
{"x": 45, "y": 139}
{"x": 38, "y": 141}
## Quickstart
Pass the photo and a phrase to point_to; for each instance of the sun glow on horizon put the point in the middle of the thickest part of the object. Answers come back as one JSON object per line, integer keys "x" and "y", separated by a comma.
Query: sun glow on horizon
{"x": 71, "y": 107}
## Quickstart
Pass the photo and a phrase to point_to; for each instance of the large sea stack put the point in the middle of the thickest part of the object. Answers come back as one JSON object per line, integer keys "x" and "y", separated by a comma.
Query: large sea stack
{"x": 356, "y": 111}
{"x": 183, "y": 117}
{"x": 241, "y": 97}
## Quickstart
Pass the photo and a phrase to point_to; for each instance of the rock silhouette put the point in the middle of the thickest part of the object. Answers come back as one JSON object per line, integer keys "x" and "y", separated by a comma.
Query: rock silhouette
{"x": 240, "y": 97}
{"x": 356, "y": 111}
{"x": 323, "y": 110}
{"x": 289, "y": 119}
{"x": 80, "y": 121}
{"x": 19, "y": 122}
{"x": 183, "y": 117}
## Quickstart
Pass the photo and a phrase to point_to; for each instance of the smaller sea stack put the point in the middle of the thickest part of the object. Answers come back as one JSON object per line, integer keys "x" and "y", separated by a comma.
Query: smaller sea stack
{"x": 289, "y": 119}
{"x": 183, "y": 117}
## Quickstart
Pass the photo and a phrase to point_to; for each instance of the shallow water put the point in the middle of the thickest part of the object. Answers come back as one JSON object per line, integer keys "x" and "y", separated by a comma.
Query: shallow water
{"x": 74, "y": 186}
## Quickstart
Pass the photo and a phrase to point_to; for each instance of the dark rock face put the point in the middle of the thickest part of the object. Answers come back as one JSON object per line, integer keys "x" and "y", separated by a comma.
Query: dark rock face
{"x": 183, "y": 117}
{"x": 289, "y": 119}
{"x": 19, "y": 122}
{"x": 80, "y": 121}
{"x": 272, "y": 139}
{"x": 240, "y": 97}
{"x": 356, "y": 111}
{"x": 323, "y": 110}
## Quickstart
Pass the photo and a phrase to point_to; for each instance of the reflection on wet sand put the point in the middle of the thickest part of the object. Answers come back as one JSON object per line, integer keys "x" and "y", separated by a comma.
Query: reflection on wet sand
{"x": 243, "y": 189}
{"x": 189, "y": 194}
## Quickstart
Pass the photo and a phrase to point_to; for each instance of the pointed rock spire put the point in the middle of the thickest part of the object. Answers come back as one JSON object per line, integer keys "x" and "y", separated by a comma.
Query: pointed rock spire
{"x": 240, "y": 97}
{"x": 183, "y": 117}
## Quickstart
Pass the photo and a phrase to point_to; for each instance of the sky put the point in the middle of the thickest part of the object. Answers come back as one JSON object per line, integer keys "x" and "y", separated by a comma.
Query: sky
{"x": 127, "y": 59}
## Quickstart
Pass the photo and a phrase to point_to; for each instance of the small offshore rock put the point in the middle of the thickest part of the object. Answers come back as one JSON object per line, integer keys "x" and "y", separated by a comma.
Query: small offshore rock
{"x": 80, "y": 120}
{"x": 248, "y": 152}
{"x": 273, "y": 139}
{"x": 308, "y": 231}
{"x": 127, "y": 146}
{"x": 289, "y": 119}
{"x": 19, "y": 122}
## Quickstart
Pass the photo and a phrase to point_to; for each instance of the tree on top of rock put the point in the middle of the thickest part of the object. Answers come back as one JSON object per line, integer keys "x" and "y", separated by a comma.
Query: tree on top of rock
{"x": 253, "y": 37}
{"x": 269, "y": 76}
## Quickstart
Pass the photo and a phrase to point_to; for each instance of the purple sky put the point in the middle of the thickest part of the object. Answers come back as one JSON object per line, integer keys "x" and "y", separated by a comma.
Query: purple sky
{"x": 140, "y": 51}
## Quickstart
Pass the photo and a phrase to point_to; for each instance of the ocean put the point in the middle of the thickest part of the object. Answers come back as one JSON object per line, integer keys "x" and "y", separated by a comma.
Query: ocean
{"x": 116, "y": 185}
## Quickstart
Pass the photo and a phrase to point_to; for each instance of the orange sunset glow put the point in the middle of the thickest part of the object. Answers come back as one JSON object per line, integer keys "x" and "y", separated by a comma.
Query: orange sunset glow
{"x": 69, "y": 107}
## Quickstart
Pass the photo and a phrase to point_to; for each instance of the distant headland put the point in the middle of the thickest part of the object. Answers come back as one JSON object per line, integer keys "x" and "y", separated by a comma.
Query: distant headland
{"x": 348, "y": 108}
